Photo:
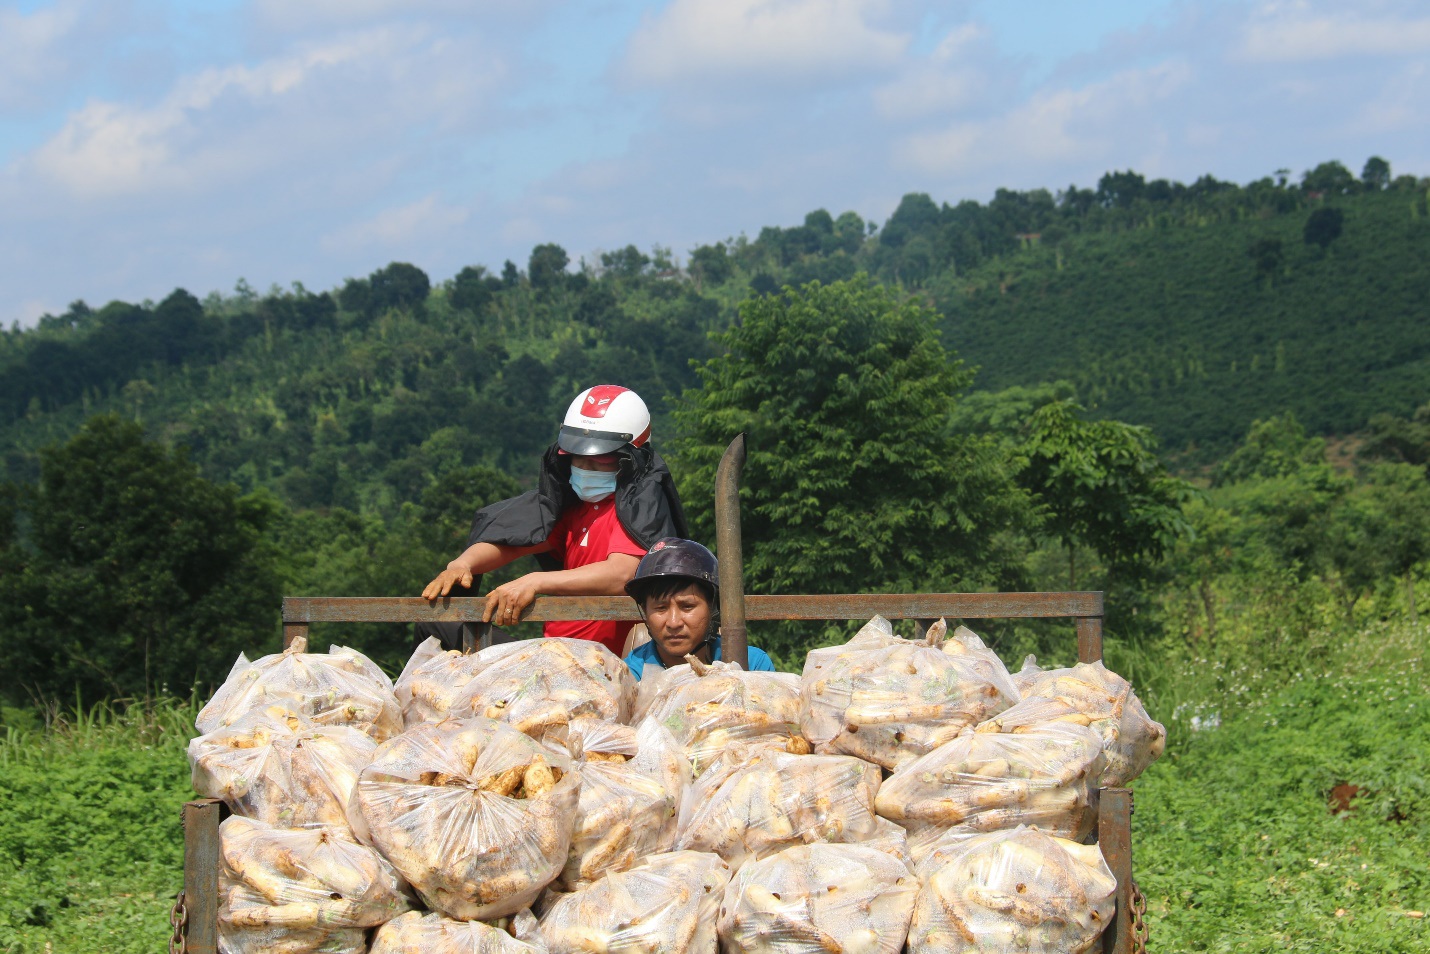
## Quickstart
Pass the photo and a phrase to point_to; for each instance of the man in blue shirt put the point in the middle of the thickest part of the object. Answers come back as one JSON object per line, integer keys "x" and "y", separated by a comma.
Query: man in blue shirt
{"x": 677, "y": 589}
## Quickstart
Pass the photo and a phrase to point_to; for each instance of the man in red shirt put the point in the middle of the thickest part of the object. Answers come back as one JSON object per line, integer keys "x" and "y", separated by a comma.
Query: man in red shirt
{"x": 602, "y": 486}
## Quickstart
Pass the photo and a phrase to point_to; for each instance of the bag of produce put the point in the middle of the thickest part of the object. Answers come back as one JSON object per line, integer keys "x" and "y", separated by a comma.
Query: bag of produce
{"x": 632, "y": 785}
{"x": 476, "y": 815}
{"x": 985, "y": 782}
{"x": 667, "y": 903}
{"x": 707, "y": 707}
{"x": 299, "y": 890}
{"x": 540, "y": 685}
{"x": 1016, "y": 890}
{"x": 339, "y": 687}
{"x": 276, "y": 766}
{"x": 431, "y": 933}
{"x": 774, "y": 800}
{"x": 889, "y": 700}
{"x": 1025, "y": 678}
{"x": 1090, "y": 694}
{"x": 434, "y": 682}
{"x": 841, "y": 899}
{"x": 965, "y": 642}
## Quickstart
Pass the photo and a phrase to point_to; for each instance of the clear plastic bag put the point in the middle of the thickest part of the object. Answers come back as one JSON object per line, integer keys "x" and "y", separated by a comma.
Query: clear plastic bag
{"x": 632, "y": 785}
{"x": 668, "y": 903}
{"x": 773, "y": 800}
{"x": 985, "y": 782}
{"x": 276, "y": 766}
{"x": 889, "y": 700}
{"x": 1019, "y": 890}
{"x": 540, "y": 685}
{"x": 1025, "y": 678}
{"x": 840, "y": 899}
{"x": 965, "y": 642}
{"x": 300, "y": 890}
{"x": 434, "y": 682}
{"x": 431, "y": 933}
{"x": 707, "y": 707}
{"x": 1090, "y": 694}
{"x": 476, "y": 815}
{"x": 339, "y": 687}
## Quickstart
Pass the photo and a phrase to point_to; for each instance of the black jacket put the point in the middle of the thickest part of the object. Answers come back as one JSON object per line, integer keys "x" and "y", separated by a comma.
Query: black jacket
{"x": 647, "y": 505}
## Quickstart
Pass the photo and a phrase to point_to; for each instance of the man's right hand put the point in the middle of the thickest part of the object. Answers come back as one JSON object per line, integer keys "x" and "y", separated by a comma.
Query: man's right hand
{"x": 444, "y": 582}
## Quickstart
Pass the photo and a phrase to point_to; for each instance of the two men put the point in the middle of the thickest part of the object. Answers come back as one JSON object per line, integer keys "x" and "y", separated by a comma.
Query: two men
{"x": 605, "y": 519}
{"x": 603, "y": 498}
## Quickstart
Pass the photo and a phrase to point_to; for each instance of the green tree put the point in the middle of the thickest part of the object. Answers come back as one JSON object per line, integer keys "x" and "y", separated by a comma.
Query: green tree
{"x": 628, "y": 262}
{"x": 1323, "y": 227}
{"x": 1332, "y": 178}
{"x": 1101, "y": 485}
{"x": 1399, "y": 497}
{"x": 1399, "y": 439}
{"x": 852, "y": 480}
{"x": 448, "y": 505}
{"x": 1267, "y": 255}
{"x": 1275, "y": 447}
{"x": 399, "y": 285}
{"x": 472, "y": 289}
{"x": 547, "y": 266}
{"x": 1376, "y": 174}
{"x": 710, "y": 264}
{"x": 137, "y": 575}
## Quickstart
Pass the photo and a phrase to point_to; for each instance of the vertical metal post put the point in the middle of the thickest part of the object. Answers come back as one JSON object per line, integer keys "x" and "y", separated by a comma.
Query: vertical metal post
{"x": 201, "y": 863}
{"x": 292, "y": 631}
{"x": 1089, "y": 639}
{"x": 1114, "y": 837}
{"x": 728, "y": 542}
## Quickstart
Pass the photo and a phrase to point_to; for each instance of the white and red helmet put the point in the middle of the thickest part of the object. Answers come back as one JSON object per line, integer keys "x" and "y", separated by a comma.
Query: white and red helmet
{"x": 604, "y": 419}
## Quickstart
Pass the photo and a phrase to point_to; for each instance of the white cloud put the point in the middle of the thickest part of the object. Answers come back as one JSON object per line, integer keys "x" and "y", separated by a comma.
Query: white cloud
{"x": 223, "y": 124}
{"x": 291, "y": 15}
{"x": 427, "y": 220}
{"x": 738, "y": 40}
{"x": 1053, "y": 126}
{"x": 1293, "y": 32}
{"x": 945, "y": 81}
{"x": 30, "y": 55}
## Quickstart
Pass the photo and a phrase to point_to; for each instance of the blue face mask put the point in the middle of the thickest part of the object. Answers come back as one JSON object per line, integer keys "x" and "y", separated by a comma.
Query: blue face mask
{"x": 593, "y": 485}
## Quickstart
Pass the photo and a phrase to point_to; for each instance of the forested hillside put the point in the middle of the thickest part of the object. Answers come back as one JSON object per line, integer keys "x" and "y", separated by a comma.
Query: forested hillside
{"x": 338, "y": 441}
{"x": 1192, "y": 309}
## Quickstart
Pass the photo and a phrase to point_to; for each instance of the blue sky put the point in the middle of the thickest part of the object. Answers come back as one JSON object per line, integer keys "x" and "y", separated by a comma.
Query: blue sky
{"x": 147, "y": 145}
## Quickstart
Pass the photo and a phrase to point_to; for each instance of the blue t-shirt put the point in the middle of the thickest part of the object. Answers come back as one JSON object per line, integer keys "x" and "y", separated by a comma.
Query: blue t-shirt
{"x": 646, "y": 655}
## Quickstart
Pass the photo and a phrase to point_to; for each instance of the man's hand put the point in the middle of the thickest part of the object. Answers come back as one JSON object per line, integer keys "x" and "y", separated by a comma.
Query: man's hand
{"x": 506, "y": 602}
{"x": 441, "y": 586}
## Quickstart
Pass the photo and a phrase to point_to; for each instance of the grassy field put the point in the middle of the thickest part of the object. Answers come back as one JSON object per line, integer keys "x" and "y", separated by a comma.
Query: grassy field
{"x": 1235, "y": 845}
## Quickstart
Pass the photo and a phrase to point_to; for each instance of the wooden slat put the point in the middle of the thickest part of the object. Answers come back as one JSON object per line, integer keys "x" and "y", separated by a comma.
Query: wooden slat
{"x": 201, "y": 863}
{"x": 351, "y": 609}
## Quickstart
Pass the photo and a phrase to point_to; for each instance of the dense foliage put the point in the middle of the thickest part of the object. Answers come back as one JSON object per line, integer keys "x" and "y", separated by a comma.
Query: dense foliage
{"x": 138, "y": 574}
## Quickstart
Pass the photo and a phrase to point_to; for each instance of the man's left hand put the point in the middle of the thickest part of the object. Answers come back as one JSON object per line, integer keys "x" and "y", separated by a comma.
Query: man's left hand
{"x": 506, "y": 603}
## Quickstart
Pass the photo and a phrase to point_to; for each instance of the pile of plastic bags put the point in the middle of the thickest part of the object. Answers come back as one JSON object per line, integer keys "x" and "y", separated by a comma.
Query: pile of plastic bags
{"x": 902, "y": 794}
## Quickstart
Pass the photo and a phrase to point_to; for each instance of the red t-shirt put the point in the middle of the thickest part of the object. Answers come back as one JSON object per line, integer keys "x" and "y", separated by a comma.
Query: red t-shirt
{"x": 589, "y": 533}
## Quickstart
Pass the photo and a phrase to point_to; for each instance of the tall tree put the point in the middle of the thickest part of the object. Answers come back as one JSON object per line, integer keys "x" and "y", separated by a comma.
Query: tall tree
{"x": 547, "y": 265}
{"x": 852, "y": 480}
{"x": 1101, "y": 485}
{"x": 137, "y": 573}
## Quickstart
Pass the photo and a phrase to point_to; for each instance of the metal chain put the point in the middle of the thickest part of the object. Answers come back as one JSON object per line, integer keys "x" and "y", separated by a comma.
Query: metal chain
{"x": 1139, "y": 920}
{"x": 179, "y": 922}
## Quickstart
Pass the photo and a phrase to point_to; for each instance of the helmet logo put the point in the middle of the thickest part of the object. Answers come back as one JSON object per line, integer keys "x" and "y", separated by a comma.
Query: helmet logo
{"x": 598, "y": 399}
{"x": 660, "y": 545}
